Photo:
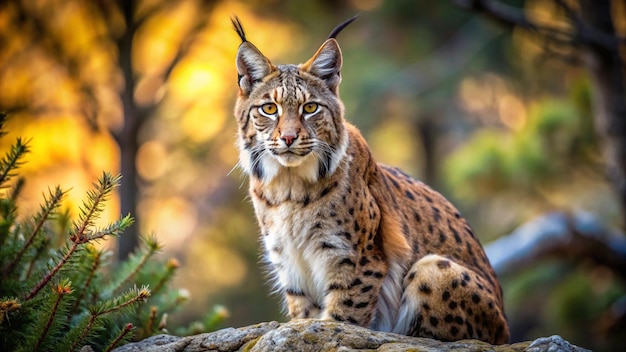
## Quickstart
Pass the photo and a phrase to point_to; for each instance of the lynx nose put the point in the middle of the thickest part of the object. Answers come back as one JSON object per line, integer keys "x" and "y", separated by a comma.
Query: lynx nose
{"x": 289, "y": 138}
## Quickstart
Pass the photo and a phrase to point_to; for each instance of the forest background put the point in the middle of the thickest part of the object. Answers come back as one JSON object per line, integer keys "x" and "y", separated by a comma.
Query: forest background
{"x": 495, "y": 117}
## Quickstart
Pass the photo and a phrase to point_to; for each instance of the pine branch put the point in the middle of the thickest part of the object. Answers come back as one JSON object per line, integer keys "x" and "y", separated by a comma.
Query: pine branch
{"x": 33, "y": 318}
{"x": 3, "y": 119}
{"x": 116, "y": 305}
{"x": 170, "y": 269}
{"x": 163, "y": 322}
{"x": 215, "y": 317}
{"x": 149, "y": 327}
{"x": 114, "y": 229}
{"x": 39, "y": 253}
{"x": 7, "y": 306}
{"x": 61, "y": 290}
{"x": 8, "y": 213}
{"x": 11, "y": 160}
{"x": 51, "y": 273}
{"x": 96, "y": 260}
{"x": 137, "y": 261}
{"x": 17, "y": 188}
{"x": 8, "y": 209}
{"x": 94, "y": 206}
{"x": 88, "y": 213}
{"x": 84, "y": 332}
{"x": 120, "y": 337}
{"x": 175, "y": 299}
{"x": 141, "y": 296}
{"x": 51, "y": 204}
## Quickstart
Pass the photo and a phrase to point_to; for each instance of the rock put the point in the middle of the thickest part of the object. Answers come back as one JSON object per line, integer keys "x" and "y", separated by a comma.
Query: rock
{"x": 317, "y": 335}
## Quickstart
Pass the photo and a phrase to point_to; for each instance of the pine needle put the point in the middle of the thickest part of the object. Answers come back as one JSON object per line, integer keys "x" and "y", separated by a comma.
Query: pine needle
{"x": 11, "y": 161}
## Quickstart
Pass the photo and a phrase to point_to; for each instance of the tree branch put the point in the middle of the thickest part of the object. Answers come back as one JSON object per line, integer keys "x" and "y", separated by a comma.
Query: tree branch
{"x": 576, "y": 237}
{"x": 582, "y": 34}
{"x": 586, "y": 33}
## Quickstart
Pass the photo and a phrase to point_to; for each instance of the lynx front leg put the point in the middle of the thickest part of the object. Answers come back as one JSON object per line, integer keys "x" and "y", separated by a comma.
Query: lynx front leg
{"x": 352, "y": 294}
{"x": 299, "y": 306}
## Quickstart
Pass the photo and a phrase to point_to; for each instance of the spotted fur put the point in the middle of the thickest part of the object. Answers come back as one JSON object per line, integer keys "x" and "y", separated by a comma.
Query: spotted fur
{"x": 346, "y": 238}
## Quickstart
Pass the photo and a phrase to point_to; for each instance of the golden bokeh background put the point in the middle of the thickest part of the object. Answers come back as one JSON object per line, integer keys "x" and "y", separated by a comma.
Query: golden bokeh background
{"x": 441, "y": 93}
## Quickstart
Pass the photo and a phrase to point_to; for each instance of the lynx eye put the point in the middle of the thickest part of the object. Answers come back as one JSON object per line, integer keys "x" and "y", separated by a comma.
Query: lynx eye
{"x": 269, "y": 110}
{"x": 309, "y": 109}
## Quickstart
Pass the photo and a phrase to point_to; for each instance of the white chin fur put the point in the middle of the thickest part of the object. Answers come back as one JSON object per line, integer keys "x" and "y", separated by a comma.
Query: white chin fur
{"x": 290, "y": 160}
{"x": 305, "y": 167}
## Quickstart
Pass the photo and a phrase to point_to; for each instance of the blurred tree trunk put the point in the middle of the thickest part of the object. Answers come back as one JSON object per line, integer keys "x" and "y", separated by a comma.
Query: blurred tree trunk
{"x": 428, "y": 129}
{"x": 135, "y": 115}
{"x": 127, "y": 137}
{"x": 608, "y": 79}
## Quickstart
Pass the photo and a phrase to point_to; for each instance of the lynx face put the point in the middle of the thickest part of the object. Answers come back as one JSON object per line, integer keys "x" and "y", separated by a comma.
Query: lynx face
{"x": 290, "y": 116}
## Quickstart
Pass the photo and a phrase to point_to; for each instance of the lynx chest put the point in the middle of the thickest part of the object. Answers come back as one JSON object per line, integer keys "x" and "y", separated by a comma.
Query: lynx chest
{"x": 308, "y": 233}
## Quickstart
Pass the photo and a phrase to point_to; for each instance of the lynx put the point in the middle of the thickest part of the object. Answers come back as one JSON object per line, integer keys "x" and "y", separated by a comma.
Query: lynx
{"x": 348, "y": 239}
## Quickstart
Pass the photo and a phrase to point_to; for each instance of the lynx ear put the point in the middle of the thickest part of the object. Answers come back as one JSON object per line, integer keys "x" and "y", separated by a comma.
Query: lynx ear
{"x": 252, "y": 66}
{"x": 326, "y": 64}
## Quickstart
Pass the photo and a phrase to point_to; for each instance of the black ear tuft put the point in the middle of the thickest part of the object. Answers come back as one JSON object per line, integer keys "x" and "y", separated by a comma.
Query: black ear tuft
{"x": 252, "y": 65}
{"x": 327, "y": 61}
{"x": 340, "y": 27}
{"x": 239, "y": 28}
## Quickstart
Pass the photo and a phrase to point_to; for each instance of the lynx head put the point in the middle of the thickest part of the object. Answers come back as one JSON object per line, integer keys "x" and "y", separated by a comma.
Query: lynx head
{"x": 290, "y": 117}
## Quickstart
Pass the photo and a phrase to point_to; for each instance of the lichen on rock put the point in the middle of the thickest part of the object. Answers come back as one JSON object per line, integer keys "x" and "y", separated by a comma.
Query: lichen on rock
{"x": 317, "y": 335}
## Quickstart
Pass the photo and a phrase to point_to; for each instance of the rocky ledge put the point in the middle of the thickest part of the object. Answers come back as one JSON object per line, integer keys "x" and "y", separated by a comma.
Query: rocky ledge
{"x": 316, "y": 335}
